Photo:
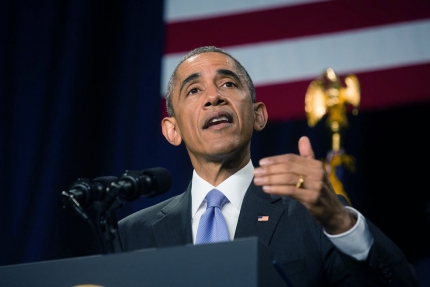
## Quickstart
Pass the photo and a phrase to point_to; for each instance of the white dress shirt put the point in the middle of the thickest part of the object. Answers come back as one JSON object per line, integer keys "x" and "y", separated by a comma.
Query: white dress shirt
{"x": 356, "y": 242}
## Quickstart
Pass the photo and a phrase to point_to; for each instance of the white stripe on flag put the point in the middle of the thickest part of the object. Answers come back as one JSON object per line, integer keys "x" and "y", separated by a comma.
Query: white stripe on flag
{"x": 186, "y": 10}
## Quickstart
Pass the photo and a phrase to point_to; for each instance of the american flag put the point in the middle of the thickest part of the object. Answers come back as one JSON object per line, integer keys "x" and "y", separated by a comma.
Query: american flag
{"x": 263, "y": 218}
{"x": 285, "y": 44}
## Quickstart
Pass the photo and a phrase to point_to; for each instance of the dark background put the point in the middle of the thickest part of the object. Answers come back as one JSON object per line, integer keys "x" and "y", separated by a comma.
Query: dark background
{"x": 79, "y": 97}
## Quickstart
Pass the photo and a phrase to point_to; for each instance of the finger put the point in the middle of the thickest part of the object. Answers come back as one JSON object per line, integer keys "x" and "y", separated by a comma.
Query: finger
{"x": 290, "y": 163}
{"x": 277, "y": 179}
{"x": 288, "y": 158}
{"x": 307, "y": 197}
{"x": 291, "y": 180}
{"x": 305, "y": 148}
{"x": 290, "y": 173}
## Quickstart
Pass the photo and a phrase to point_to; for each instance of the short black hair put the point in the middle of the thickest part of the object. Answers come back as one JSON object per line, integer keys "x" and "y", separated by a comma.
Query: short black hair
{"x": 200, "y": 50}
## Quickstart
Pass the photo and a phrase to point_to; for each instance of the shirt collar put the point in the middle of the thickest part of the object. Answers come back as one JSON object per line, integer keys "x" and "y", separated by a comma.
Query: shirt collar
{"x": 234, "y": 187}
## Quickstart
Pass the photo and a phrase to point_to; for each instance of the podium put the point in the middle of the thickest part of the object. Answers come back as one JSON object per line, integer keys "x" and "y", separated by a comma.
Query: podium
{"x": 243, "y": 262}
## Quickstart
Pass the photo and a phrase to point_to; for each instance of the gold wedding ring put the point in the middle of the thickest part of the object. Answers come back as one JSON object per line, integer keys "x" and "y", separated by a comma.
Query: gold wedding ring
{"x": 300, "y": 182}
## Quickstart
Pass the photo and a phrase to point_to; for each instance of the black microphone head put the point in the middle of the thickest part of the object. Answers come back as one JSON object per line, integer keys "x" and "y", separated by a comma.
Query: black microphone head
{"x": 85, "y": 192}
{"x": 106, "y": 180}
{"x": 147, "y": 183}
{"x": 161, "y": 178}
{"x": 99, "y": 185}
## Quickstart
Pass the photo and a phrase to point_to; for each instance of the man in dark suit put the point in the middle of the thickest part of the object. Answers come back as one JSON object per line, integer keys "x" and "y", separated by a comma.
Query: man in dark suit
{"x": 318, "y": 240}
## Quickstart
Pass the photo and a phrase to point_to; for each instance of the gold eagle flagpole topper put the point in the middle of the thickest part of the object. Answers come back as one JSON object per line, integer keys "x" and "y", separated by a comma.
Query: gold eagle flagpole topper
{"x": 328, "y": 95}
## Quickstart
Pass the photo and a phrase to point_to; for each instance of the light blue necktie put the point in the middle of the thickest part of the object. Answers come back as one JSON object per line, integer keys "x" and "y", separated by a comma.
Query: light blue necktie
{"x": 212, "y": 225}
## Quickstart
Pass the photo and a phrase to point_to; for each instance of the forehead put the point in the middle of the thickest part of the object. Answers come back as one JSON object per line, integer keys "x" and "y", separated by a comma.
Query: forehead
{"x": 205, "y": 63}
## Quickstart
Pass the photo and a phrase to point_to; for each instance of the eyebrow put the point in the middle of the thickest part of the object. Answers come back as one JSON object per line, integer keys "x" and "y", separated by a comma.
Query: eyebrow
{"x": 187, "y": 80}
{"x": 222, "y": 72}
{"x": 225, "y": 72}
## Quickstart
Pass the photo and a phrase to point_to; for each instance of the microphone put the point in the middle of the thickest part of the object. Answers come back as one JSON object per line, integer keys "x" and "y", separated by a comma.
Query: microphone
{"x": 103, "y": 191}
{"x": 134, "y": 184}
{"x": 106, "y": 194}
{"x": 146, "y": 183}
{"x": 85, "y": 192}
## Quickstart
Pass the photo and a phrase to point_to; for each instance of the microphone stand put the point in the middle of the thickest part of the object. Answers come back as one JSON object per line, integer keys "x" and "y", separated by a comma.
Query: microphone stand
{"x": 104, "y": 223}
{"x": 109, "y": 195}
{"x": 106, "y": 229}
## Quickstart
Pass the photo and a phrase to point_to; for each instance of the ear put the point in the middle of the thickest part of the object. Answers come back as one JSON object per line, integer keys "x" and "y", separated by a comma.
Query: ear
{"x": 261, "y": 116}
{"x": 170, "y": 132}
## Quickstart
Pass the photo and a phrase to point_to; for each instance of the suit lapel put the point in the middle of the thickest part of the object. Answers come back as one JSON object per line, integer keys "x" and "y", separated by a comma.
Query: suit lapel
{"x": 258, "y": 203}
{"x": 175, "y": 221}
{"x": 255, "y": 203}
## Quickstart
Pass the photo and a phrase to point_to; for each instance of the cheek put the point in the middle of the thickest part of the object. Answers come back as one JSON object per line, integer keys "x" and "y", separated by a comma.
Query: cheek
{"x": 190, "y": 104}
{"x": 187, "y": 122}
{"x": 247, "y": 120}
{"x": 247, "y": 111}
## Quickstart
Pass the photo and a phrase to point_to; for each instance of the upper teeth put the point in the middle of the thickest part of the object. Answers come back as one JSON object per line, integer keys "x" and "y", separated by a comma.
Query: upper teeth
{"x": 219, "y": 119}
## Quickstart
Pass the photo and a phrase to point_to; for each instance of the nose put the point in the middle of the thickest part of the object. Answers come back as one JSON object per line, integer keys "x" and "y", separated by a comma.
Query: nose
{"x": 214, "y": 98}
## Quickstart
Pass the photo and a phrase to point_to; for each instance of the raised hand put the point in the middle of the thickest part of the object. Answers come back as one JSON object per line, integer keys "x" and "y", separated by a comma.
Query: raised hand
{"x": 304, "y": 179}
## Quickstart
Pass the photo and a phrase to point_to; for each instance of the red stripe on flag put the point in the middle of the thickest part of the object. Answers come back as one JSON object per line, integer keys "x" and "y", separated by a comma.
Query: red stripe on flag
{"x": 290, "y": 22}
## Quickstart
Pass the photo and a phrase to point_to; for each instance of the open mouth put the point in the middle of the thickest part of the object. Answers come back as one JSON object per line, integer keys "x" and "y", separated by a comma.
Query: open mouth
{"x": 217, "y": 120}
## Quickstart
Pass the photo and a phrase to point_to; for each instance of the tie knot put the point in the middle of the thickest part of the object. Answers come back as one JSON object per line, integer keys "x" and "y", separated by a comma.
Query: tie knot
{"x": 216, "y": 198}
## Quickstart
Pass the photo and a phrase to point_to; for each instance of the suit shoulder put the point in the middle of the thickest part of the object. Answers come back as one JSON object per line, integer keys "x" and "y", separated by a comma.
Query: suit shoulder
{"x": 151, "y": 213}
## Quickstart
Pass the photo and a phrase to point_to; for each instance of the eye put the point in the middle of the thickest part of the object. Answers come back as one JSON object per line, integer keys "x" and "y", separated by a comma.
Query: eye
{"x": 193, "y": 91}
{"x": 230, "y": 85}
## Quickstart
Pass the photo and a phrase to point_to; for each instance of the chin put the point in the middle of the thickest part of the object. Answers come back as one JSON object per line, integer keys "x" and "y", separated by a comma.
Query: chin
{"x": 223, "y": 151}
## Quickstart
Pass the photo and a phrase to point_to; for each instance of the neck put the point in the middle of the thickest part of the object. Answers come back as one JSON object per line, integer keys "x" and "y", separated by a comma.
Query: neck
{"x": 216, "y": 171}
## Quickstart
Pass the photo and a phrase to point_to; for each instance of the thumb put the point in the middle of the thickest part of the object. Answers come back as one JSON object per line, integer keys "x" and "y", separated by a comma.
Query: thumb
{"x": 305, "y": 148}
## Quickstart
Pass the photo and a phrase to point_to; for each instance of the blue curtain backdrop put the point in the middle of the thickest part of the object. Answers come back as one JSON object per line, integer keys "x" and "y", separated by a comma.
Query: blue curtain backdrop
{"x": 79, "y": 97}
{"x": 79, "y": 86}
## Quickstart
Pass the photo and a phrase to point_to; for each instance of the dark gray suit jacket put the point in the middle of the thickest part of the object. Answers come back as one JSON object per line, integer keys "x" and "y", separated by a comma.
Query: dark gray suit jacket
{"x": 298, "y": 243}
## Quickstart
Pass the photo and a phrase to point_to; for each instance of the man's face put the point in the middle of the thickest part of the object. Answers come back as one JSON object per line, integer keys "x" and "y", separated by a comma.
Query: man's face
{"x": 214, "y": 113}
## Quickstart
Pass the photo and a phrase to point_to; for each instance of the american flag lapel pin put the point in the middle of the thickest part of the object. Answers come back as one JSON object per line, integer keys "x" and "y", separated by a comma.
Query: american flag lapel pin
{"x": 263, "y": 218}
